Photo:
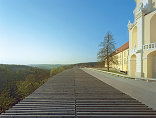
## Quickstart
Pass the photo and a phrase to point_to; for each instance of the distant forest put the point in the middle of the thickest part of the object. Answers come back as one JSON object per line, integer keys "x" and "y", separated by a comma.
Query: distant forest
{"x": 46, "y": 66}
{"x": 50, "y": 66}
{"x": 17, "y": 82}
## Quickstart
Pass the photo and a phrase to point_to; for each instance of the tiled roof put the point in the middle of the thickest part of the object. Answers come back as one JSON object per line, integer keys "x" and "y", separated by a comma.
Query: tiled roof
{"x": 123, "y": 47}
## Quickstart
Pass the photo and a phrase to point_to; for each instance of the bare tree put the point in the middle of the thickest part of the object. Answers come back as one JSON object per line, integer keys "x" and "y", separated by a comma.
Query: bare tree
{"x": 107, "y": 50}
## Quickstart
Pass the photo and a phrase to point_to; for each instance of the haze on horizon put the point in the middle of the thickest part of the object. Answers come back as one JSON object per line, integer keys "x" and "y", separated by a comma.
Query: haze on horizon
{"x": 60, "y": 31}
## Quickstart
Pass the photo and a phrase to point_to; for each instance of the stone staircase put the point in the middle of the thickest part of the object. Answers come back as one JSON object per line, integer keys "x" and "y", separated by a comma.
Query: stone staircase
{"x": 76, "y": 94}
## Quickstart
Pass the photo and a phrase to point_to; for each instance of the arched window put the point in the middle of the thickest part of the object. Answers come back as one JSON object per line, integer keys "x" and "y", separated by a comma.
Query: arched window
{"x": 134, "y": 38}
{"x": 133, "y": 65}
{"x": 153, "y": 29}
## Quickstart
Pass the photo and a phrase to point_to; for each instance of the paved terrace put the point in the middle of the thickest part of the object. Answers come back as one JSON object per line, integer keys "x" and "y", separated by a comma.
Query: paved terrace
{"x": 76, "y": 94}
{"x": 141, "y": 90}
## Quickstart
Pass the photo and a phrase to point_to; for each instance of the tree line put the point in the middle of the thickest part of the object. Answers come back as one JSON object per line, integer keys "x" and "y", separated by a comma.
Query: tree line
{"x": 18, "y": 81}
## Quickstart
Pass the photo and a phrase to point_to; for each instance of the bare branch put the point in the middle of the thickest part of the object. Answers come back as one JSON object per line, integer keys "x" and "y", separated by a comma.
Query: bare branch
{"x": 107, "y": 48}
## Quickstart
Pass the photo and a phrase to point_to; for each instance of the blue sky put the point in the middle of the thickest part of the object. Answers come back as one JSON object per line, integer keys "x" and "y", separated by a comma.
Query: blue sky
{"x": 60, "y": 31}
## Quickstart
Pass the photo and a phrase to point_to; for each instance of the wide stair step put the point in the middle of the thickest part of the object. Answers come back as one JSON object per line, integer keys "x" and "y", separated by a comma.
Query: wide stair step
{"x": 76, "y": 94}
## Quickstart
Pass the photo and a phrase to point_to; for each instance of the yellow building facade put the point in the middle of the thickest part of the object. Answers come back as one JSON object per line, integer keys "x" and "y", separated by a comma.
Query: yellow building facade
{"x": 140, "y": 58}
{"x": 121, "y": 55}
{"x": 142, "y": 40}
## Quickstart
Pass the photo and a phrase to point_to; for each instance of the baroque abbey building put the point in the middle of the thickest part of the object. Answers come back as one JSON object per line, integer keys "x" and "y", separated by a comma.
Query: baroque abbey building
{"x": 138, "y": 56}
{"x": 142, "y": 40}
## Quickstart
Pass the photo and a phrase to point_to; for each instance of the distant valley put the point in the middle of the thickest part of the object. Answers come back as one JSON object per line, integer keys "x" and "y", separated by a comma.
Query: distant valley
{"x": 50, "y": 66}
{"x": 46, "y": 66}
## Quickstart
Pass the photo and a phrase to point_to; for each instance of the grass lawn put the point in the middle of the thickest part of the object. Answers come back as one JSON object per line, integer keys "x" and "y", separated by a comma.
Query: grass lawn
{"x": 114, "y": 71}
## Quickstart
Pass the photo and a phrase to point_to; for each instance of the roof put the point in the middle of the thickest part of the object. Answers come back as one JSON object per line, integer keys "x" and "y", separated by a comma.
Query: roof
{"x": 123, "y": 47}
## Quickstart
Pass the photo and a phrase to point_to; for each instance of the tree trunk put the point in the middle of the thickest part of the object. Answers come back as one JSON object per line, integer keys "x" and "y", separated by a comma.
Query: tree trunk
{"x": 108, "y": 63}
{"x": 108, "y": 53}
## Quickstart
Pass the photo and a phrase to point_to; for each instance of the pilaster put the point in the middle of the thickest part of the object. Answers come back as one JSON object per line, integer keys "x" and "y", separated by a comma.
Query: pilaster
{"x": 140, "y": 38}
